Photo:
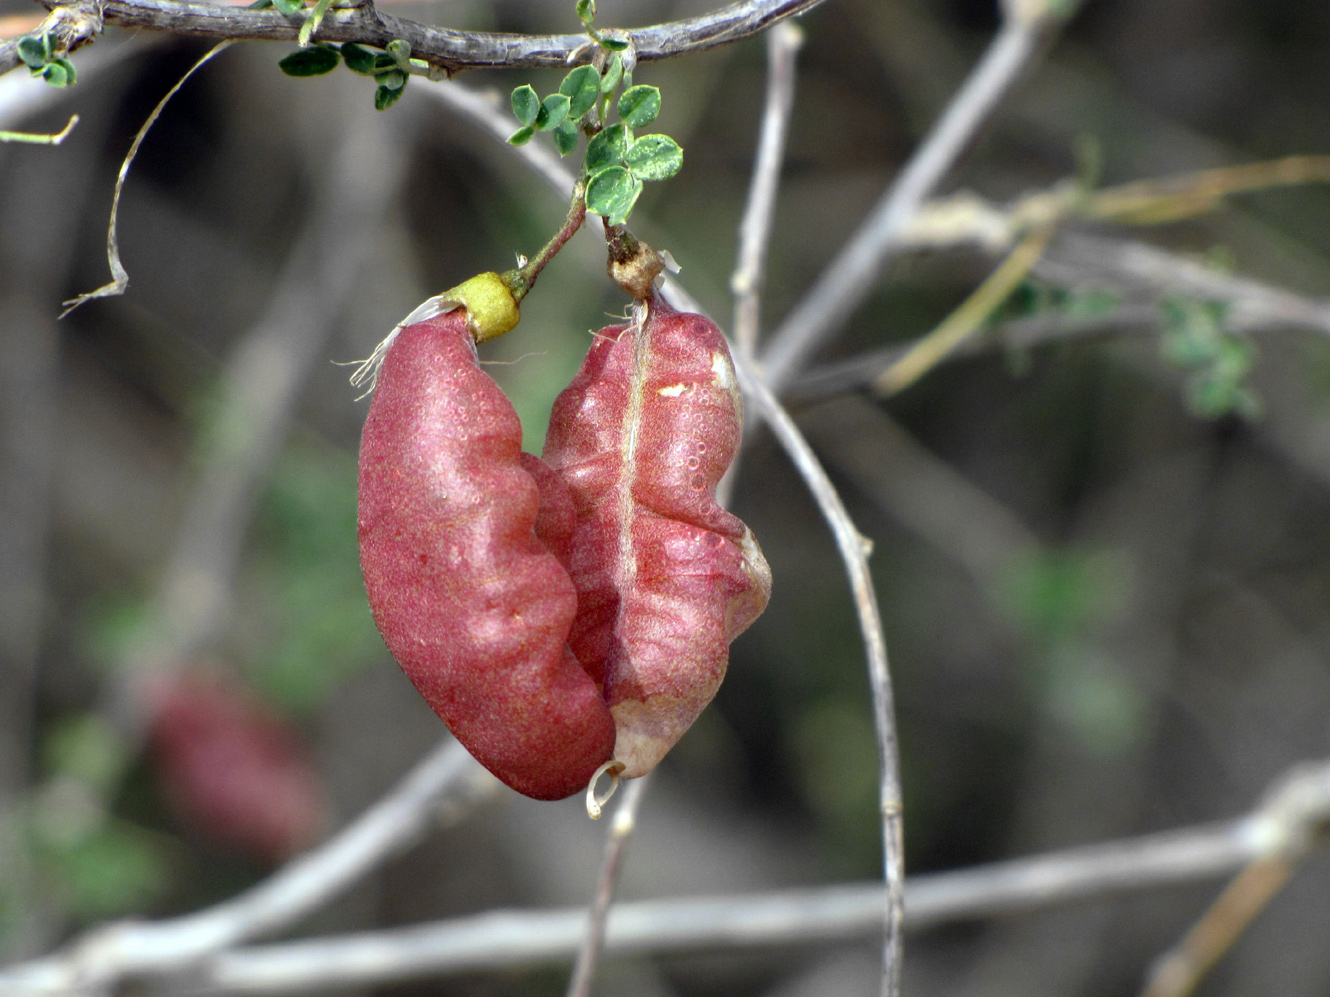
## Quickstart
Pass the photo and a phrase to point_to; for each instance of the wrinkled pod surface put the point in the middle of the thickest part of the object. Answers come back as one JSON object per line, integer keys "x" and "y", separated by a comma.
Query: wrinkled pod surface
{"x": 559, "y": 616}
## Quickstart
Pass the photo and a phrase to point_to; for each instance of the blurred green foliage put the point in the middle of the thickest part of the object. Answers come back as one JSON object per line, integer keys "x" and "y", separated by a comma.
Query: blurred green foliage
{"x": 86, "y": 749}
{"x": 1218, "y": 361}
{"x": 1059, "y": 600}
{"x": 316, "y": 628}
{"x": 835, "y": 751}
{"x": 99, "y": 870}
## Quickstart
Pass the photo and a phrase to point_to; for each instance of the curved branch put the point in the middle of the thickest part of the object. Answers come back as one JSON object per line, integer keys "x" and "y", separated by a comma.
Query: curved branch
{"x": 445, "y": 48}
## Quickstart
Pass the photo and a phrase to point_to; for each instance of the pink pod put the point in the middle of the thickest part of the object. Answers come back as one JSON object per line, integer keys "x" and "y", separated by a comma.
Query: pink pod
{"x": 665, "y": 577}
{"x": 470, "y": 602}
{"x": 232, "y": 768}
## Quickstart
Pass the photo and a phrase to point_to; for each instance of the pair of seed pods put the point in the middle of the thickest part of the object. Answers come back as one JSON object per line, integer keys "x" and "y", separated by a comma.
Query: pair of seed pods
{"x": 560, "y": 613}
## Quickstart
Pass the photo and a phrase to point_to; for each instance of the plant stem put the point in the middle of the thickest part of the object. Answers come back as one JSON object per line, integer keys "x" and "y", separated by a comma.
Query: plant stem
{"x": 625, "y": 822}
{"x": 521, "y": 280}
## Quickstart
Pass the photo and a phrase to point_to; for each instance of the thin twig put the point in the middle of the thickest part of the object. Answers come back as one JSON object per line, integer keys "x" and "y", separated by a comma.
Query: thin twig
{"x": 967, "y": 218}
{"x": 936, "y": 346}
{"x": 1149, "y": 202}
{"x": 1080, "y": 260}
{"x": 783, "y": 44}
{"x": 846, "y": 281}
{"x": 625, "y": 822}
{"x": 443, "y": 787}
{"x": 859, "y": 371}
{"x": 41, "y": 138}
{"x": 445, "y": 48}
{"x": 1134, "y": 269}
{"x": 854, "y": 550}
{"x": 1180, "y": 970}
{"x": 119, "y": 276}
{"x": 506, "y": 939}
{"x": 1292, "y": 822}
{"x": 1286, "y": 823}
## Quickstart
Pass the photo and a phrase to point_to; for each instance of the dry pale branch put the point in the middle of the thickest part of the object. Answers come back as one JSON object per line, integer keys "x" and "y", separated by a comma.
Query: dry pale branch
{"x": 854, "y": 550}
{"x": 616, "y": 847}
{"x": 1181, "y": 969}
{"x": 1289, "y": 822}
{"x": 755, "y": 229}
{"x": 442, "y": 788}
{"x": 1080, "y": 260}
{"x": 1141, "y": 273}
{"x": 847, "y": 280}
{"x": 445, "y": 48}
{"x": 1297, "y": 817}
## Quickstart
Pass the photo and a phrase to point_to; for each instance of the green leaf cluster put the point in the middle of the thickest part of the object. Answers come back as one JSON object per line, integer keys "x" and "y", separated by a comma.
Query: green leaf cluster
{"x": 315, "y": 630}
{"x": 557, "y": 113}
{"x": 43, "y": 57}
{"x": 1035, "y": 297}
{"x": 390, "y": 69}
{"x": 1059, "y": 600}
{"x": 617, "y": 163}
{"x": 1216, "y": 359}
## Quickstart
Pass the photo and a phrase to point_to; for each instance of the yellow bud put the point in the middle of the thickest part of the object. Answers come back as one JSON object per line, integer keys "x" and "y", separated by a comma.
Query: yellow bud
{"x": 491, "y": 308}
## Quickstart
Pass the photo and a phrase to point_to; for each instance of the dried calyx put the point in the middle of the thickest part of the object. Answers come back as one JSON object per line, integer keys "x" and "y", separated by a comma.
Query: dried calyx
{"x": 632, "y": 264}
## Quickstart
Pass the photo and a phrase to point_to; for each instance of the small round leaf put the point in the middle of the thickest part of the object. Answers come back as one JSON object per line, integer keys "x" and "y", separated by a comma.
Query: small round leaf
{"x": 33, "y": 51}
{"x": 613, "y": 74}
{"x": 393, "y": 79}
{"x": 289, "y": 7}
{"x": 526, "y": 104}
{"x": 614, "y": 44}
{"x": 386, "y": 97}
{"x": 522, "y": 136}
{"x": 313, "y": 61}
{"x": 399, "y": 49}
{"x": 586, "y": 11}
{"x": 70, "y": 72}
{"x": 581, "y": 87}
{"x": 358, "y": 59}
{"x": 553, "y": 112}
{"x": 612, "y": 194}
{"x": 655, "y": 157}
{"x": 565, "y": 137}
{"x": 639, "y": 105}
{"x": 607, "y": 149}
{"x": 55, "y": 74}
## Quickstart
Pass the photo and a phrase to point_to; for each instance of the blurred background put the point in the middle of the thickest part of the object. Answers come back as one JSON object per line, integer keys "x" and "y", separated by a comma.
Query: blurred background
{"x": 1104, "y": 580}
